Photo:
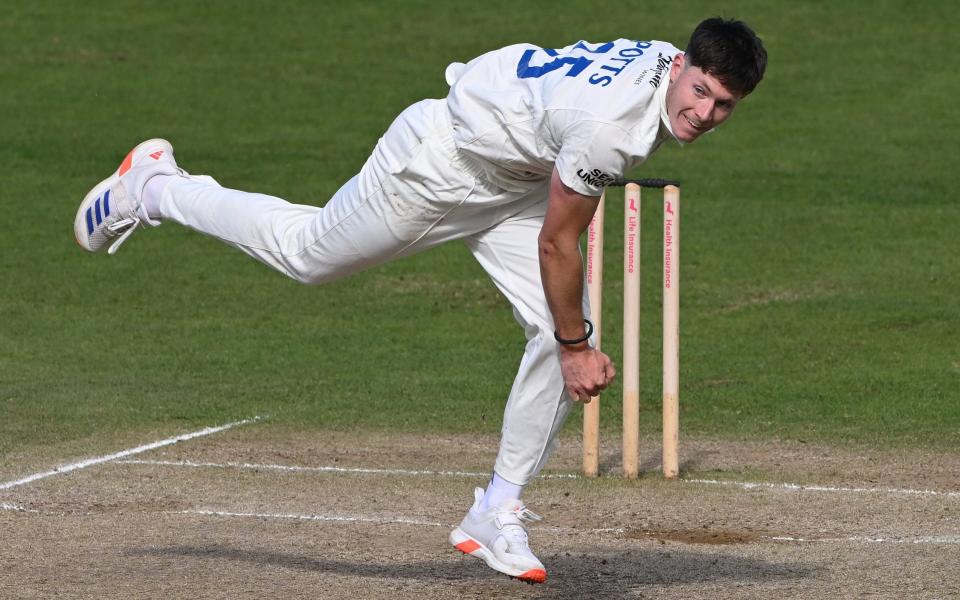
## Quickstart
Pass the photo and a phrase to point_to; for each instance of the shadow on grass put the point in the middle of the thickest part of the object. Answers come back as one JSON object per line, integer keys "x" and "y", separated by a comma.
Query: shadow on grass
{"x": 600, "y": 575}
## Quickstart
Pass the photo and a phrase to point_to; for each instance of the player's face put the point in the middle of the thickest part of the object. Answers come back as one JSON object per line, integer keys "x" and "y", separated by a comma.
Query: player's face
{"x": 696, "y": 101}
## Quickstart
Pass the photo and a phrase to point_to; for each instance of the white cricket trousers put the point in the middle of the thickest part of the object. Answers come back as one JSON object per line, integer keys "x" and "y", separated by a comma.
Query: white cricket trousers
{"x": 414, "y": 192}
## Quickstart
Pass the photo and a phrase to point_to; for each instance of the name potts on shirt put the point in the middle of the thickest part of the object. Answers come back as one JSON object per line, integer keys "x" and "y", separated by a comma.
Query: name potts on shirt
{"x": 615, "y": 65}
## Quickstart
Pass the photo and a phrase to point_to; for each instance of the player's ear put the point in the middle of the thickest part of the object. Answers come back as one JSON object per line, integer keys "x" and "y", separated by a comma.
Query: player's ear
{"x": 677, "y": 66}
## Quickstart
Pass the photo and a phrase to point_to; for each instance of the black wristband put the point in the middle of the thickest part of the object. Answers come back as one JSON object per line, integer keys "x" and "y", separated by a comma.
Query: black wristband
{"x": 586, "y": 336}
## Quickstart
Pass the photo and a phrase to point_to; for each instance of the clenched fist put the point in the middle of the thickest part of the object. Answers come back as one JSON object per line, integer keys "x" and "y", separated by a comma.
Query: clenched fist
{"x": 586, "y": 372}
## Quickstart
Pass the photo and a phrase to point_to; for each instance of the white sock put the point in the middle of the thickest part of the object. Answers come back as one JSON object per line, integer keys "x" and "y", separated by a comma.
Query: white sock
{"x": 152, "y": 192}
{"x": 499, "y": 490}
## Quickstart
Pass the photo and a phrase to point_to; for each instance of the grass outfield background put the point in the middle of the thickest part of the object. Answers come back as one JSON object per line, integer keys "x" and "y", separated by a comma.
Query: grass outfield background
{"x": 820, "y": 264}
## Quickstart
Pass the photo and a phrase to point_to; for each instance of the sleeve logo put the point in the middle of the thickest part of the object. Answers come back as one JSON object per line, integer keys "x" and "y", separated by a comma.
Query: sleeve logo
{"x": 595, "y": 177}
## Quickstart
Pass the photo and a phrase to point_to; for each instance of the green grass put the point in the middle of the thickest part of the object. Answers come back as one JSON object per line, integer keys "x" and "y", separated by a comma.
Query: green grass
{"x": 819, "y": 256}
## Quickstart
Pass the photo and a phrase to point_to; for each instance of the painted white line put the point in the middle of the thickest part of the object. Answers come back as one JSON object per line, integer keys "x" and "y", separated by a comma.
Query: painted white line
{"x": 299, "y": 469}
{"x": 372, "y": 520}
{"x": 863, "y": 539}
{"x": 102, "y": 459}
{"x": 15, "y": 508}
{"x": 857, "y": 539}
{"x": 824, "y": 488}
{"x": 328, "y": 518}
{"x": 747, "y": 485}
{"x": 574, "y": 530}
{"x": 323, "y": 469}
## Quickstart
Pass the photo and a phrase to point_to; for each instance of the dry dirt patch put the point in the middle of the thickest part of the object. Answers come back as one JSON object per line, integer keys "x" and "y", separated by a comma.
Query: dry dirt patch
{"x": 123, "y": 530}
{"x": 704, "y": 535}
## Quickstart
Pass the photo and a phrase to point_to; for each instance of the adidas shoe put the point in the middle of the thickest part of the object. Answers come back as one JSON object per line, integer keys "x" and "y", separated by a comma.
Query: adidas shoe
{"x": 111, "y": 210}
{"x": 499, "y": 537}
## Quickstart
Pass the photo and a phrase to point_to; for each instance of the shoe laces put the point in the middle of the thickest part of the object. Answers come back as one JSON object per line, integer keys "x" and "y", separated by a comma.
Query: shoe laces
{"x": 125, "y": 227}
{"x": 511, "y": 524}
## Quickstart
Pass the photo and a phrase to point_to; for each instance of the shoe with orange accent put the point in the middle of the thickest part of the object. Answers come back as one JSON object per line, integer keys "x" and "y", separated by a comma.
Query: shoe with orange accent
{"x": 499, "y": 537}
{"x": 111, "y": 210}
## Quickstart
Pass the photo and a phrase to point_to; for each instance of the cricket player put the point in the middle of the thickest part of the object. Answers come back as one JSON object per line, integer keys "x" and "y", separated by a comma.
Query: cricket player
{"x": 512, "y": 163}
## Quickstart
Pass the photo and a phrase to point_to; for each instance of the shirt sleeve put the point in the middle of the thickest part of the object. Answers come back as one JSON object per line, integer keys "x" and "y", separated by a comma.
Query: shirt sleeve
{"x": 592, "y": 155}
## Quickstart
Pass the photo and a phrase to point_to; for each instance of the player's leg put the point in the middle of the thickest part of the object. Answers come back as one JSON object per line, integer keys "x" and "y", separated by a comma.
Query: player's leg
{"x": 538, "y": 404}
{"x": 383, "y": 212}
{"x": 307, "y": 243}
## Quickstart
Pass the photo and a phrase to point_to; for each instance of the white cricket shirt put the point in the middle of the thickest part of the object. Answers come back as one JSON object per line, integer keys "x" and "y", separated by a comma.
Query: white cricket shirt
{"x": 595, "y": 110}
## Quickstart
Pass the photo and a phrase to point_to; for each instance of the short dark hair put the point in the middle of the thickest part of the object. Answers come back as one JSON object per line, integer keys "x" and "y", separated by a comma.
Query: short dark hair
{"x": 729, "y": 51}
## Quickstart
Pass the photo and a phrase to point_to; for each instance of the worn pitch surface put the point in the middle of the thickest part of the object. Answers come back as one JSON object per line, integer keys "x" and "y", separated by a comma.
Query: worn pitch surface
{"x": 191, "y": 521}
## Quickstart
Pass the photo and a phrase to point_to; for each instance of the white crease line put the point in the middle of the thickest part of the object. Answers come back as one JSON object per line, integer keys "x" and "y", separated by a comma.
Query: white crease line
{"x": 747, "y": 485}
{"x": 371, "y": 520}
{"x": 823, "y": 488}
{"x": 573, "y": 530}
{"x": 102, "y": 459}
{"x": 328, "y": 518}
{"x": 860, "y": 539}
{"x": 297, "y": 469}
{"x": 863, "y": 539}
{"x": 322, "y": 469}
{"x": 15, "y": 508}
{"x": 931, "y": 540}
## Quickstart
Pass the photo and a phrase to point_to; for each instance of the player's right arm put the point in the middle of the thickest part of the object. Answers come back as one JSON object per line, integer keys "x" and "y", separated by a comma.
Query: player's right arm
{"x": 586, "y": 371}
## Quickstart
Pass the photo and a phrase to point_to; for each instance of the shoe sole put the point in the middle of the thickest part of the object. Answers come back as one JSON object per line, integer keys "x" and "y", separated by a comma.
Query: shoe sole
{"x": 468, "y": 545}
{"x": 79, "y": 225}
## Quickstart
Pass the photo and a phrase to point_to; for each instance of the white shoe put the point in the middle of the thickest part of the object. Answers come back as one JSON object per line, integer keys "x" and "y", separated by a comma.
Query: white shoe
{"x": 499, "y": 537}
{"x": 111, "y": 209}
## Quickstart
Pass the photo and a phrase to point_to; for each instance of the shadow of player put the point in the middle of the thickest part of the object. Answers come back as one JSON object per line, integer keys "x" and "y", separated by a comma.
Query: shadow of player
{"x": 597, "y": 575}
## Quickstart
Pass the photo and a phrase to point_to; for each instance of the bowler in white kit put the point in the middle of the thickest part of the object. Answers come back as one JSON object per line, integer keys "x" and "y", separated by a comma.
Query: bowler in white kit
{"x": 512, "y": 162}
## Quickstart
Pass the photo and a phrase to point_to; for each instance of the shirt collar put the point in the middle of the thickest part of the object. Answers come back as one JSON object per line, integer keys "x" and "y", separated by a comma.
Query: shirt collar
{"x": 661, "y": 96}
